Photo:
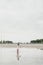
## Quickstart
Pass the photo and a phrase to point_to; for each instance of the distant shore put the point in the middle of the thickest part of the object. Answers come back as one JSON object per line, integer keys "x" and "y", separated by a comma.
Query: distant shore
{"x": 39, "y": 46}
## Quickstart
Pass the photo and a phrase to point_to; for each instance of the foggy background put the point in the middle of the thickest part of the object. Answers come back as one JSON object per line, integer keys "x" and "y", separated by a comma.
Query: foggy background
{"x": 21, "y": 20}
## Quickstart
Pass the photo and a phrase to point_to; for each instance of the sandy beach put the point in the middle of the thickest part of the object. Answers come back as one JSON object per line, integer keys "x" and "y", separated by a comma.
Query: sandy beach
{"x": 39, "y": 46}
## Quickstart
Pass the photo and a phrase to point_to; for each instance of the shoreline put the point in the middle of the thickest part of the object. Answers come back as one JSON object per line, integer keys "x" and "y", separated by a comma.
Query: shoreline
{"x": 38, "y": 46}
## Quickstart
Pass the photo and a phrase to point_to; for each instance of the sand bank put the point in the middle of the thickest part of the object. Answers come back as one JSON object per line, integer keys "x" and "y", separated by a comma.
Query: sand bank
{"x": 39, "y": 46}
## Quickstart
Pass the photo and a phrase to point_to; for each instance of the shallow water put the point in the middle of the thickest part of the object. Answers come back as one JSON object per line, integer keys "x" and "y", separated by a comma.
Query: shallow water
{"x": 28, "y": 56}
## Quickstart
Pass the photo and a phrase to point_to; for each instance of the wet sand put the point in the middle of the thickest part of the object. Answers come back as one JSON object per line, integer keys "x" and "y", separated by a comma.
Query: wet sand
{"x": 39, "y": 46}
{"x": 27, "y": 56}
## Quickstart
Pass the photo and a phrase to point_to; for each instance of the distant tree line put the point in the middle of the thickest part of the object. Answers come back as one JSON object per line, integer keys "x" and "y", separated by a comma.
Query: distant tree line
{"x": 4, "y": 42}
{"x": 37, "y": 41}
{"x": 11, "y": 42}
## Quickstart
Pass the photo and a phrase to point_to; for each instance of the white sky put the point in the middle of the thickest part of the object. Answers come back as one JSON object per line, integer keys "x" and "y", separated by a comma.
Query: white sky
{"x": 21, "y": 20}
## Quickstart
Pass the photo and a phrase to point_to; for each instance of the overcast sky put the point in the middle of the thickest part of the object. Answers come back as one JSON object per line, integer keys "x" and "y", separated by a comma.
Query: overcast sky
{"x": 21, "y": 20}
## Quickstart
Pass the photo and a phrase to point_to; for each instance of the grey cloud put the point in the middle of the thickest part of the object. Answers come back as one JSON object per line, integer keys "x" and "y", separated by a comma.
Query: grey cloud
{"x": 24, "y": 17}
